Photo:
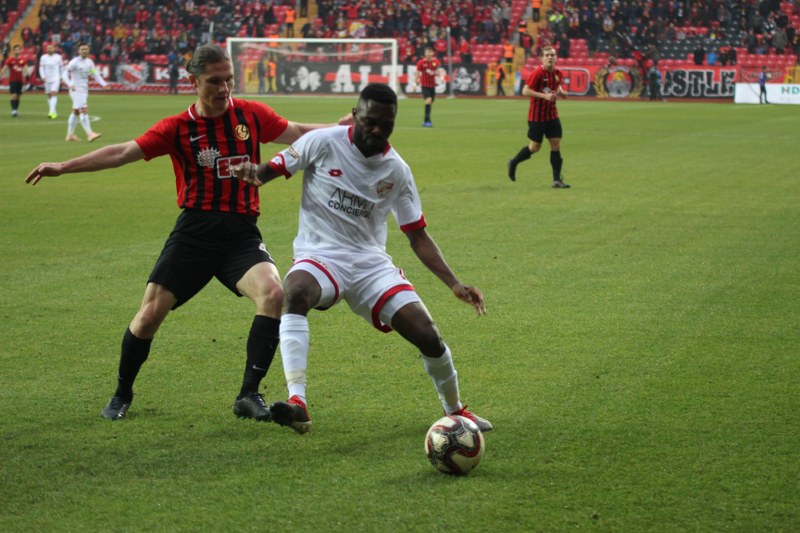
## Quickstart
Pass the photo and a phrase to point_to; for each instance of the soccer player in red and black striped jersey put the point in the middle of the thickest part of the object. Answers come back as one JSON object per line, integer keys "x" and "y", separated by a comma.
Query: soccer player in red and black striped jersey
{"x": 216, "y": 234}
{"x": 543, "y": 87}
{"x": 17, "y": 69}
{"x": 428, "y": 69}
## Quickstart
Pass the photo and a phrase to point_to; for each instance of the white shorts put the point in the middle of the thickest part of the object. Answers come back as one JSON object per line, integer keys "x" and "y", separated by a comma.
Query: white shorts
{"x": 371, "y": 285}
{"x": 52, "y": 86}
{"x": 79, "y": 99}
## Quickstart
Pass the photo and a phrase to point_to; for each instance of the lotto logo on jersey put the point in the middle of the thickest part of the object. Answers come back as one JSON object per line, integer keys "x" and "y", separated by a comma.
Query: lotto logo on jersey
{"x": 225, "y": 165}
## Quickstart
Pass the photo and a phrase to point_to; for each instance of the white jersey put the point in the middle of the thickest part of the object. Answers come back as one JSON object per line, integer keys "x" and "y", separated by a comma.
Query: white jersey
{"x": 77, "y": 74}
{"x": 347, "y": 197}
{"x": 50, "y": 66}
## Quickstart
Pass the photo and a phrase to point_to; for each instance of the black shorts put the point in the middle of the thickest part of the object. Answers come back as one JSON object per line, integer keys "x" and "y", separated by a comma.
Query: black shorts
{"x": 205, "y": 245}
{"x": 539, "y": 130}
{"x": 429, "y": 92}
{"x": 15, "y": 87}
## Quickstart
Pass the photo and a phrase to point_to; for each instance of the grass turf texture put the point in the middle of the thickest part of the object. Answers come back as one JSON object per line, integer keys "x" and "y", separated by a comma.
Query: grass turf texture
{"x": 639, "y": 358}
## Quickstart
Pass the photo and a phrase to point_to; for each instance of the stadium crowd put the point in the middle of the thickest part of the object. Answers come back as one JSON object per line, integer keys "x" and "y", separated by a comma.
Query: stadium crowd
{"x": 703, "y": 31}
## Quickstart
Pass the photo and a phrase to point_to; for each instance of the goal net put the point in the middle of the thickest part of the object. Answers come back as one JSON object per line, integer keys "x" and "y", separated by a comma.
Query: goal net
{"x": 312, "y": 66}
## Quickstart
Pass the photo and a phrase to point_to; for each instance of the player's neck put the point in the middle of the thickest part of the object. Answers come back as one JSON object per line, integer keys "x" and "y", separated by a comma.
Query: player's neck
{"x": 208, "y": 112}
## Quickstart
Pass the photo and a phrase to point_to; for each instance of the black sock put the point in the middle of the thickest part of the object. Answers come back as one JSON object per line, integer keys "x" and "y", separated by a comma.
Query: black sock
{"x": 556, "y": 162}
{"x": 262, "y": 342}
{"x": 523, "y": 155}
{"x": 427, "y": 112}
{"x": 133, "y": 355}
{"x": 14, "y": 104}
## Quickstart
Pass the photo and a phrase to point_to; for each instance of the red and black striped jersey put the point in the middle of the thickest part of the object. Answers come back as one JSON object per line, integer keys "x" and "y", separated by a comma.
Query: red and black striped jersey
{"x": 204, "y": 151}
{"x": 427, "y": 69}
{"x": 543, "y": 81}
{"x": 16, "y": 69}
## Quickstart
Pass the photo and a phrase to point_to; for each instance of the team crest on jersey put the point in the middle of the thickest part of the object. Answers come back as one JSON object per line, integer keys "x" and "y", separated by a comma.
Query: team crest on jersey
{"x": 207, "y": 157}
{"x": 242, "y": 132}
{"x": 384, "y": 188}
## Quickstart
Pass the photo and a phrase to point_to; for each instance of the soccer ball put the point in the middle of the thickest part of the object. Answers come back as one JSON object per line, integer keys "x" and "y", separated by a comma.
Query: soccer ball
{"x": 454, "y": 445}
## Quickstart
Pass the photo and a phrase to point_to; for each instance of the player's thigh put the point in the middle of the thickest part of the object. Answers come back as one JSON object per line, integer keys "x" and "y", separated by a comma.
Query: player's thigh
{"x": 536, "y": 132}
{"x": 312, "y": 282}
{"x": 553, "y": 130}
{"x": 80, "y": 99}
{"x": 374, "y": 285}
{"x": 261, "y": 283}
{"x": 183, "y": 269}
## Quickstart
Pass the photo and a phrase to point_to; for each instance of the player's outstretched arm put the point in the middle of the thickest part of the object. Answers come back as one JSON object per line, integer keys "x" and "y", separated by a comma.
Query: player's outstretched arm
{"x": 431, "y": 256}
{"x": 111, "y": 156}
{"x": 295, "y": 130}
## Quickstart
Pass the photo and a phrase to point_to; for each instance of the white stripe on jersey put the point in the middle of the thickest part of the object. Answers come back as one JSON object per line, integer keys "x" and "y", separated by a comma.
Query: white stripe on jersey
{"x": 346, "y": 196}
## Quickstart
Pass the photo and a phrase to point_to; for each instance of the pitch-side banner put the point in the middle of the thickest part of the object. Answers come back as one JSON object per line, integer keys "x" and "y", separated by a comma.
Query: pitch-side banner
{"x": 777, "y": 93}
{"x": 609, "y": 82}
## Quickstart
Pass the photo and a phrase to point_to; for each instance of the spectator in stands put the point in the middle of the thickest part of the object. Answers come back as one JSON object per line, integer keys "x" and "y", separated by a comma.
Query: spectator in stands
{"x": 18, "y": 75}
{"x": 536, "y": 8}
{"x": 779, "y": 40}
{"x": 712, "y": 58}
{"x": 465, "y": 50}
{"x": 699, "y": 54}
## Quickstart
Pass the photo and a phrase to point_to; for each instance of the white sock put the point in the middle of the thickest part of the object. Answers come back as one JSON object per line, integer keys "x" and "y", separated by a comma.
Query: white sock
{"x": 85, "y": 123}
{"x": 52, "y": 101}
{"x": 294, "y": 353}
{"x": 445, "y": 379}
{"x": 72, "y": 123}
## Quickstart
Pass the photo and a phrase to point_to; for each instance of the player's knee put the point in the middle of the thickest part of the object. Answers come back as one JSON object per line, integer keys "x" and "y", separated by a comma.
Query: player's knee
{"x": 269, "y": 298}
{"x": 534, "y": 147}
{"x": 298, "y": 299}
{"x": 148, "y": 320}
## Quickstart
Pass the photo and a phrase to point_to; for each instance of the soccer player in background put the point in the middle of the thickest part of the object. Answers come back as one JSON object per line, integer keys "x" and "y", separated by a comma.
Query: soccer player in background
{"x": 543, "y": 87}
{"x": 76, "y": 76}
{"x": 353, "y": 179}
{"x": 18, "y": 74}
{"x": 50, "y": 65}
{"x": 428, "y": 69}
{"x": 216, "y": 233}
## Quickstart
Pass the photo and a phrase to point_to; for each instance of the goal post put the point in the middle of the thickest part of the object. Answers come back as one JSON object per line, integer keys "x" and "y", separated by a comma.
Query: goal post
{"x": 312, "y": 66}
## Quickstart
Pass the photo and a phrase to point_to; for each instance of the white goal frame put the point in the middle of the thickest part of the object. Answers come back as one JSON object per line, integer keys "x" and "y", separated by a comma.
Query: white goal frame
{"x": 359, "y": 70}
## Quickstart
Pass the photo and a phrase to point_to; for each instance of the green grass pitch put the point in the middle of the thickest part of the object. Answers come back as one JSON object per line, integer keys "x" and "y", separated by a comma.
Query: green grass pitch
{"x": 639, "y": 357}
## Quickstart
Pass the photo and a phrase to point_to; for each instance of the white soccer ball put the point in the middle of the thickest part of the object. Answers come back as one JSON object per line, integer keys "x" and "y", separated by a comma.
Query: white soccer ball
{"x": 454, "y": 445}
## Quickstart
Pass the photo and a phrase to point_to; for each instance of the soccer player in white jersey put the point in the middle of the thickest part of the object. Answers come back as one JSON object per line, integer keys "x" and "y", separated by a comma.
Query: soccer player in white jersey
{"x": 353, "y": 179}
{"x": 76, "y": 76}
{"x": 50, "y": 65}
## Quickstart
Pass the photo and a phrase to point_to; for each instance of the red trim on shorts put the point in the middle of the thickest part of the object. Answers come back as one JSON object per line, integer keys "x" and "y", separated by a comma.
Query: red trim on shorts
{"x": 324, "y": 271}
{"x": 376, "y": 310}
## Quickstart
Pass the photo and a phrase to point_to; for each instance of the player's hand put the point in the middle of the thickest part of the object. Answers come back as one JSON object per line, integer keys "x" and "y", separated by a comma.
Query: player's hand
{"x": 44, "y": 169}
{"x": 247, "y": 172}
{"x": 470, "y": 295}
